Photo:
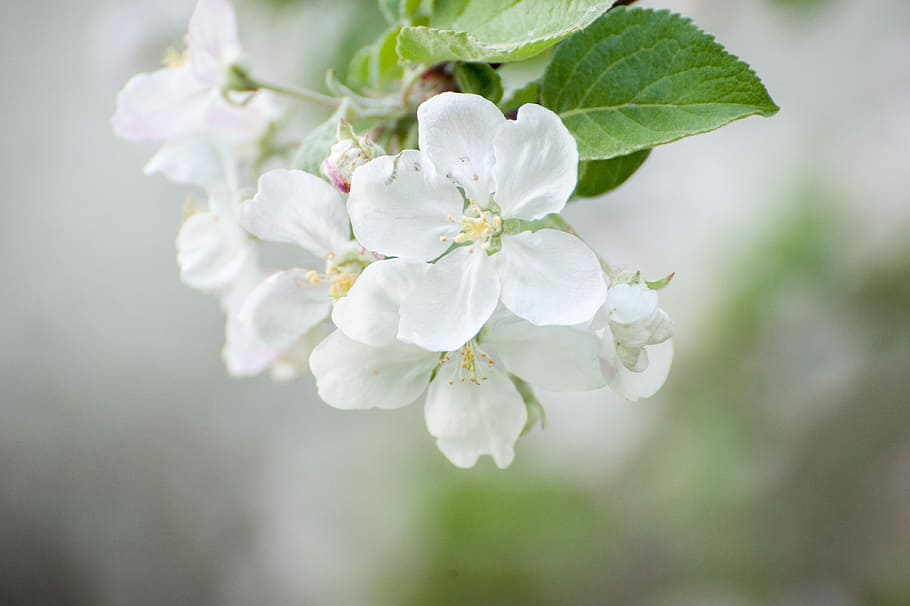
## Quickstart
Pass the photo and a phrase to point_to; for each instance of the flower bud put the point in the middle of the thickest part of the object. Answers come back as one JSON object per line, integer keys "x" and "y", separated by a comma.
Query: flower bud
{"x": 636, "y": 321}
{"x": 347, "y": 155}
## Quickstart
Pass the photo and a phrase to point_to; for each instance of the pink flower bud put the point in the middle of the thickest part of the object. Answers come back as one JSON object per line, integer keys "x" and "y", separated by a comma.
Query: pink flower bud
{"x": 347, "y": 155}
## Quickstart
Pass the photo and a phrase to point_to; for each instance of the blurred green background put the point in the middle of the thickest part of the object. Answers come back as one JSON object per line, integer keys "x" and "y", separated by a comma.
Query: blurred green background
{"x": 774, "y": 467}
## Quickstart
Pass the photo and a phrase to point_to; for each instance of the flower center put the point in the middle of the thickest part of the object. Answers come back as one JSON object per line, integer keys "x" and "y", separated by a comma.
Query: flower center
{"x": 478, "y": 227}
{"x": 468, "y": 368}
{"x": 341, "y": 275}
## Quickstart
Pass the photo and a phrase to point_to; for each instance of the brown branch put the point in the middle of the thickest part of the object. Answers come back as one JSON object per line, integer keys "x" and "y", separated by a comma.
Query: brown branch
{"x": 622, "y": 3}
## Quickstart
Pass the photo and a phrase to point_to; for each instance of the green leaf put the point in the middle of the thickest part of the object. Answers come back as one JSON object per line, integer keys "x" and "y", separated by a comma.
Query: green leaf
{"x": 521, "y": 80}
{"x": 529, "y": 93}
{"x": 596, "y": 177}
{"x": 640, "y": 78}
{"x": 375, "y": 67}
{"x": 480, "y": 79}
{"x": 358, "y": 74}
{"x": 316, "y": 145}
{"x": 495, "y": 30}
{"x": 397, "y": 11}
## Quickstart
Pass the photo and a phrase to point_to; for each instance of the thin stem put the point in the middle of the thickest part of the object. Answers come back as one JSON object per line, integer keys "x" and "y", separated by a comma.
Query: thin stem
{"x": 622, "y": 3}
{"x": 299, "y": 93}
{"x": 559, "y": 223}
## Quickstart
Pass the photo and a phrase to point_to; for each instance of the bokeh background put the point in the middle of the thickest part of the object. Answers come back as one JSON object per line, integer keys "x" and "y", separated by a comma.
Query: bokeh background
{"x": 774, "y": 468}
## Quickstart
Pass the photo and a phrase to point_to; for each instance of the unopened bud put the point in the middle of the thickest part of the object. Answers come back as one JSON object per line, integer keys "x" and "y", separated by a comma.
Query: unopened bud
{"x": 347, "y": 155}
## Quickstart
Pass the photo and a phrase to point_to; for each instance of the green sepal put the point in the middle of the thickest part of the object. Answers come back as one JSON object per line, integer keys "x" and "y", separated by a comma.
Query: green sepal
{"x": 536, "y": 412}
{"x": 660, "y": 284}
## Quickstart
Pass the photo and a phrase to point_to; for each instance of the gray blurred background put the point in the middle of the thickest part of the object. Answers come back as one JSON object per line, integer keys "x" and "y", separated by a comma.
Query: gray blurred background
{"x": 774, "y": 467}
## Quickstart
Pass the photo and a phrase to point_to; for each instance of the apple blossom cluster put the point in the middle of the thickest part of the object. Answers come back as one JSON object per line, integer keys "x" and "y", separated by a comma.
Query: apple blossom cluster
{"x": 443, "y": 274}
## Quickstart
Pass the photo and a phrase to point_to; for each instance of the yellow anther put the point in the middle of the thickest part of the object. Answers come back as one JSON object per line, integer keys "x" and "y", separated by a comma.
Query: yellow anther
{"x": 341, "y": 276}
{"x": 172, "y": 59}
{"x": 342, "y": 285}
{"x": 478, "y": 226}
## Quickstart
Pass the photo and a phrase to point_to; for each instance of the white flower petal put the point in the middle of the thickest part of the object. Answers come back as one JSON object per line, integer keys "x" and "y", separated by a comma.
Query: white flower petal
{"x": 284, "y": 306}
{"x": 191, "y": 161}
{"x": 636, "y": 385}
{"x": 398, "y": 208}
{"x": 370, "y": 311}
{"x": 559, "y": 358}
{"x": 456, "y": 131}
{"x": 294, "y": 362}
{"x": 630, "y": 303}
{"x": 451, "y": 303}
{"x": 550, "y": 277}
{"x": 536, "y": 164}
{"x": 297, "y": 207}
{"x": 165, "y": 104}
{"x": 212, "y": 40}
{"x": 243, "y": 354}
{"x": 351, "y": 375}
{"x": 235, "y": 126}
{"x": 661, "y": 327}
{"x": 471, "y": 420}
{"x": 211, "y": 252}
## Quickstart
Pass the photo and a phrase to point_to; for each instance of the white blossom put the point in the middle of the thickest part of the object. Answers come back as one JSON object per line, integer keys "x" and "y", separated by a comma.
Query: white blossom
{"x": 291, "y": 206}
{"x": 245, "y": 355}
{"x": 472, "y": 406}
{"x": 217, "y": 256}
{"x": 443, "y": 275}
{"x": 187, "y": 98}
{"x": 476, "y": 177}
{"x": 212, "y": 249}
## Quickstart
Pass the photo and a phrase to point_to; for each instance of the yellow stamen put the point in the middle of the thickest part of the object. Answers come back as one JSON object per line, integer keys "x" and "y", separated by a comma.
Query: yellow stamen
{"x": 478, "y": 226}
{"x": 172, "y": 59}
{"x": 342, "y": 285}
